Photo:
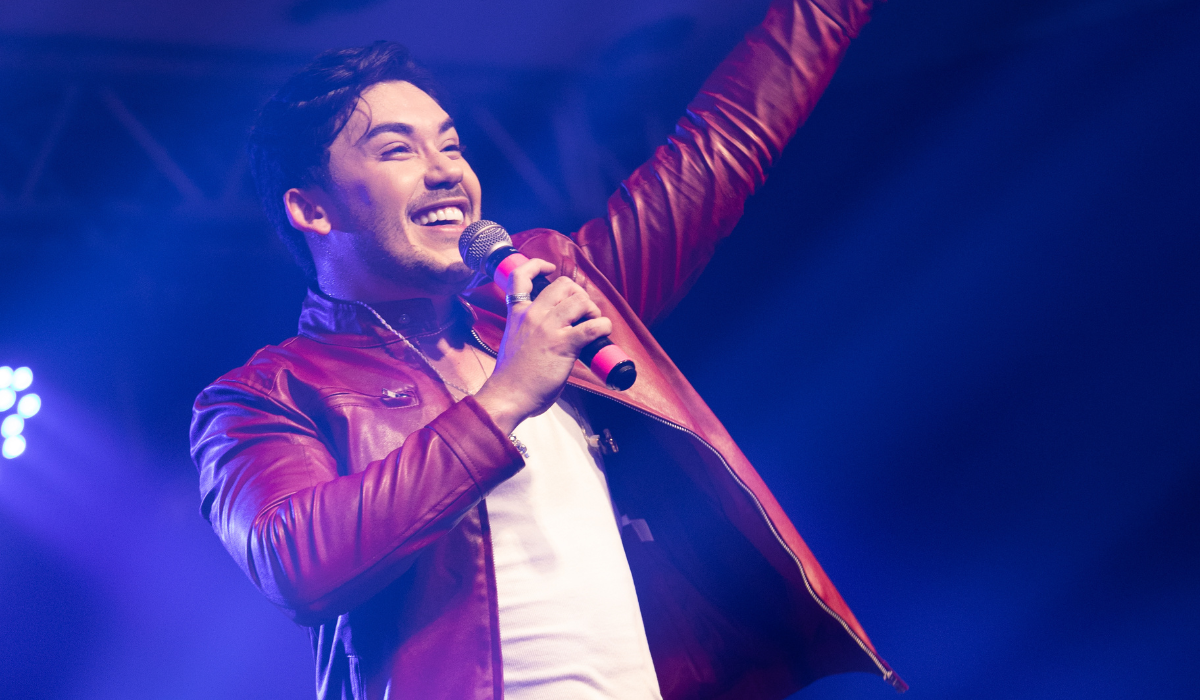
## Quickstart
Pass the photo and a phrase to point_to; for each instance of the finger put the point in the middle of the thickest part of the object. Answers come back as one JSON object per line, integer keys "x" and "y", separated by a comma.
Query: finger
{"x": 520, "y": 281}
{"x": 575, "y": 308}
{"x": 521, "y": 278}
{"x": 571, "y": 293}
{"x": 588, "y": 331}
{"x": 558, "y": 290}
{"x": 593, "y": 311}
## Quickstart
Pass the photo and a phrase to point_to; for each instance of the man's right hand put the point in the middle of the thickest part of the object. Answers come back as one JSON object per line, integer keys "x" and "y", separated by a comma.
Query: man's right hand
{"x": 541, "y": 342}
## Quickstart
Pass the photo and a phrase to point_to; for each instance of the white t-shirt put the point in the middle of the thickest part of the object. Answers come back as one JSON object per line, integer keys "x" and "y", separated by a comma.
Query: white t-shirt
{"x": 570, "y": 626}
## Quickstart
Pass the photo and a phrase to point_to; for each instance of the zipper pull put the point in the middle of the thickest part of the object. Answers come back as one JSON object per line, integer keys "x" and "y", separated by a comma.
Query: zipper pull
{"x": 607, "y": 444}
{"x": 603, "y": 442}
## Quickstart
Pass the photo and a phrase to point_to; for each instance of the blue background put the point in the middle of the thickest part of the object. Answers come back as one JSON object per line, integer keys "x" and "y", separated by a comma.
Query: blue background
{"x": 958, "y": 331}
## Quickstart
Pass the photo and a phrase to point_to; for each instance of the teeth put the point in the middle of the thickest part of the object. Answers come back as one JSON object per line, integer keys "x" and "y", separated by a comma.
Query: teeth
{"x": 444, "y": 214}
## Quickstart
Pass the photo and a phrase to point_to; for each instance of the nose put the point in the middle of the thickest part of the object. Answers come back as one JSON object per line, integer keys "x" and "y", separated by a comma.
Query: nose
{"x": 444, "y": 171}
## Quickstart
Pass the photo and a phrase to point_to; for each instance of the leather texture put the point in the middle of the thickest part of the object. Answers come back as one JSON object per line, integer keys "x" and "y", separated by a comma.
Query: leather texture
{"x": 344, "y": 480}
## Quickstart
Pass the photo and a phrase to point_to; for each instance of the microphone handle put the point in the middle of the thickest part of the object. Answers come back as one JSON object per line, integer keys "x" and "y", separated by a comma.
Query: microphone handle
{"x": 612, "y": 366}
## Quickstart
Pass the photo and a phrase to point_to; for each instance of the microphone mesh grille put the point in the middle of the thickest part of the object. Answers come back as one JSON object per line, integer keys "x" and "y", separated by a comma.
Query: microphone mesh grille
{"x": 479, "y": 239}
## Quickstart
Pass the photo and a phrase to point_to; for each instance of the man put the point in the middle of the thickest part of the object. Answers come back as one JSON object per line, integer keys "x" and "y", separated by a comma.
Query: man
{"x": 410, "y": 479}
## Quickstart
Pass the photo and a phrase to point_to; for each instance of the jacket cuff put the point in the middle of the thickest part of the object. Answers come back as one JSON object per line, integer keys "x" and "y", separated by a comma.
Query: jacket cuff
{"x": 484, "y": 451}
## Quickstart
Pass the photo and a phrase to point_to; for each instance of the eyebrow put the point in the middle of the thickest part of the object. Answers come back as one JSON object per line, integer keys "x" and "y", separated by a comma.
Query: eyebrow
{"x": 401, "y": 128}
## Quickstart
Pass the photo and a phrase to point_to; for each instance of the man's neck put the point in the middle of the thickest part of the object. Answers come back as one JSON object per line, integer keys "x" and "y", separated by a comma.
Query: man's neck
{"x": 443, "y": 303}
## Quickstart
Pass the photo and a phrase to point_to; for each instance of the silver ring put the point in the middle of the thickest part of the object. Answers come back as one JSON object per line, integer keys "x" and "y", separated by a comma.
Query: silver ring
{"x": 511, "y": 299}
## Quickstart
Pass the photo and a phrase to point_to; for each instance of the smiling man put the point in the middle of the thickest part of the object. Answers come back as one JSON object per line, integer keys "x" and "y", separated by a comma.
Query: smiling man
{"x": 428, "y": 479}
{"x": 396, "y": 195}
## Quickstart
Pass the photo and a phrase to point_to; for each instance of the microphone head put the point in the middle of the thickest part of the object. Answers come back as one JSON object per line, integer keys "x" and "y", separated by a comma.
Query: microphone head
{"x": 478, "y": 240}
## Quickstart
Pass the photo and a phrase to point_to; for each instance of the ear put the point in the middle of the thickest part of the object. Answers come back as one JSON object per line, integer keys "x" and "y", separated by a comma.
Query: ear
{"x": 306, "y": 211}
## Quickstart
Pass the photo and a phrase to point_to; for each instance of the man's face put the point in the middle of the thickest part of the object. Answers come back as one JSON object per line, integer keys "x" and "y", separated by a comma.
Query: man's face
{"x": 402, "y": 191}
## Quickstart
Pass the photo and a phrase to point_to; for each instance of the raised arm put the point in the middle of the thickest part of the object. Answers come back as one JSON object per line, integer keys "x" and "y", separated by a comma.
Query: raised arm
{"x": 665, "y": 220}
{"x": 318, "y": 543}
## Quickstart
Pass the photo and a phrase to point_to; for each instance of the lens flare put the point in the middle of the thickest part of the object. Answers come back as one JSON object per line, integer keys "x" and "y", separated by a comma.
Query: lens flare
{"x": 7, "y": 398}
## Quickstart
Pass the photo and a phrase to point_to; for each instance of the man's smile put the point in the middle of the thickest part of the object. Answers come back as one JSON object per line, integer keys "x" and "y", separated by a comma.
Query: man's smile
{"x": 440, "y": 216}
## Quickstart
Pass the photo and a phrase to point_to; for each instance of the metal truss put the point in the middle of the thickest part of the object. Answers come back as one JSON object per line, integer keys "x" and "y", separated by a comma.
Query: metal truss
{"x": 157, "y": 131}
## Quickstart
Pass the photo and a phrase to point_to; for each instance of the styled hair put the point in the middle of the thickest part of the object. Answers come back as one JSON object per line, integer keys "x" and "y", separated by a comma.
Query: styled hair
{"x": 289, "y": 142}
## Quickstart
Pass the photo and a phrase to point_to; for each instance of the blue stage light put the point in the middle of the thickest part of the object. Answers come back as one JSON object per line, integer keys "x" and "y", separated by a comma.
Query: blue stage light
{"x": 11, "y": 426}
{"x": 12, "y": 383}
{"x": 29, "y": 405}
{"x": 22, "y": 377}
{"x": 13, "y": 446}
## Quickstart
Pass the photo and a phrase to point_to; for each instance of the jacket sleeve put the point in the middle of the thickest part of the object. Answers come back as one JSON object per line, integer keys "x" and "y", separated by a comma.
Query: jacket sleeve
{"x": 665, "y": 220}
{"x": 318, "y": 543}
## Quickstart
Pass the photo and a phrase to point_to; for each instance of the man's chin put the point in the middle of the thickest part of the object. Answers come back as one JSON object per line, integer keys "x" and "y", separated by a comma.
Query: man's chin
{"x": 448, "y": 278}
{"x": 429, "y": 275}
{"x": 458, "y": 275}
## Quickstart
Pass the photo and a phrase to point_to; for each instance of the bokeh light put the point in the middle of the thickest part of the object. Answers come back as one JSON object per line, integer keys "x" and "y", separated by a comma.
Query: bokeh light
{"x": 22, "y": 377}
{"x": 13, "y": 446}
{"x": 12, "y": 383}
{"x": 12, "y": 426}
{"x": 29, "y": 405}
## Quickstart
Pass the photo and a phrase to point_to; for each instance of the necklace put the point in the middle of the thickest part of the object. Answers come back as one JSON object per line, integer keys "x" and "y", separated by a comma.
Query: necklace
{"x": 429, "y": 363}
{"x": 413, "y": 346}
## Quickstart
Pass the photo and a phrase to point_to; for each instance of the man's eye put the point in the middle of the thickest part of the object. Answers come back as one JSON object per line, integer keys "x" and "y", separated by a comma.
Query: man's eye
{"x": 395, "y": 150}
{"x": 454, "y": 147}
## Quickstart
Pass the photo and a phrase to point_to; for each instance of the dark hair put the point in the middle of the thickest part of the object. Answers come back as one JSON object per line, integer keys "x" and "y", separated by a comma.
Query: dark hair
{"x": 289, "y": 143}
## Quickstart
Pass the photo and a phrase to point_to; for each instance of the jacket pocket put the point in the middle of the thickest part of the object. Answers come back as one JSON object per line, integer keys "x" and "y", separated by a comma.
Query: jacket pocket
{"x": 396, "y": 397}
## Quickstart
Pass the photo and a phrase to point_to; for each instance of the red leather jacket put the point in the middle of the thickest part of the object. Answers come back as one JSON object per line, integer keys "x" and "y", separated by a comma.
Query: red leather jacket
{"x": 345, "y": 481}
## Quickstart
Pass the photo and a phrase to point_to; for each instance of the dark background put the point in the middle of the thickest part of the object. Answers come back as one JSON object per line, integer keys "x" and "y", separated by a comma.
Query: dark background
{"x": 964, "y": 316}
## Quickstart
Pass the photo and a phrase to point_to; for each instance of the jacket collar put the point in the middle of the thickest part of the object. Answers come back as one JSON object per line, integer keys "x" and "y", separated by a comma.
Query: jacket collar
{"x": 332, "y": 321}
{"x": 340, "y": 322}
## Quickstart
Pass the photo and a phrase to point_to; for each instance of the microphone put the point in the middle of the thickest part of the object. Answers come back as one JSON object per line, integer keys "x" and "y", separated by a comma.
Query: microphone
{"x": 486, "y": 248}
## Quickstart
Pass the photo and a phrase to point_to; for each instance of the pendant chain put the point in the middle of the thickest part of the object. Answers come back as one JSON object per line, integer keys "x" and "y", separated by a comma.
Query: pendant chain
{"x": 520, "y": 446}
{"x": 413, "y": 346}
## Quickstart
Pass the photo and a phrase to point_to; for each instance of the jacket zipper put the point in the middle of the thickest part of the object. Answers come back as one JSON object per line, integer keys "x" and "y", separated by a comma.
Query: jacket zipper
{"x": 888, "y": 674}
